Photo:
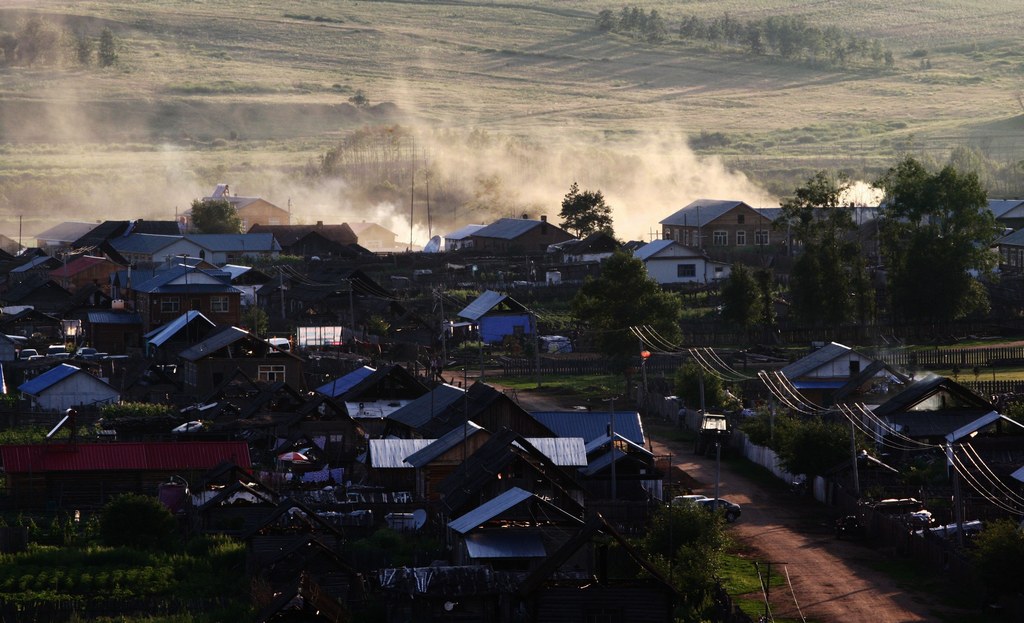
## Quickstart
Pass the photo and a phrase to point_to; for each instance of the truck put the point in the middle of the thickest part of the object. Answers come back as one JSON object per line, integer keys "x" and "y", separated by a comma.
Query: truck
{"x": 714, "y": 428}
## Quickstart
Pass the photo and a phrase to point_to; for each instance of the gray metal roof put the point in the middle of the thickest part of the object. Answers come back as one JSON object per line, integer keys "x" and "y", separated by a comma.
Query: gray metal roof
{"x": 113, "y": 317}
{"x": 444, "y": 443}
{"x": 602, "y": 462}
{"x": 142, "y": 243}
{"x": 463, "y": 232}
{"x": 508, "y": 228}
{"x": 391, "y": 453}
{"x": 215, "y": 342}
{"x": 815, "y": 360}
{"x": 601, "y": 441}
{"x": 342, "y": 384}
{"x": 486, "y": 302}
{"x": 563, "y": 451}
{"x": 32, "y": 263}
{"x": 590, "y": 425}
{"x": 1013, "y": 239}
{"x": 505, "y": 544}
{"x": 657, "y": 246}
{"x": 243, "y": 243}
{"x": 420, "y": 411}
{"x": 489, "y": 510}
{"x": 701, "y": 212}
{"x": 161, "y": 334}
{"x": 999, "y": 207}
{"x": 68, "y": 231}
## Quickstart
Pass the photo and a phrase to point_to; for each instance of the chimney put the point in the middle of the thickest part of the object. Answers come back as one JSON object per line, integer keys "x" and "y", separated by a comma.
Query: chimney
{"x": 525, "y": 216}
{"x": 543, "y": 218}
{"x": 319, "y": 224}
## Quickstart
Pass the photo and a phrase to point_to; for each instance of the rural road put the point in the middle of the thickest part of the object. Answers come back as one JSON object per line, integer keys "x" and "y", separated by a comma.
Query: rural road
{"x": 832, "y": 580}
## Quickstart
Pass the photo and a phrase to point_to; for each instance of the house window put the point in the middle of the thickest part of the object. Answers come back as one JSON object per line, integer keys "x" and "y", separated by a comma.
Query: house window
{"x": 169, "y": 305}
{"x": 686, "y": 270}
{"x": 271, "y": 373}
{"x": 720, "y": 238}
{"x": 740, "y": 218}
{"x": 761, "y": 237}
{"x": 219, "y": 305}
{"x": 741, "y": 238}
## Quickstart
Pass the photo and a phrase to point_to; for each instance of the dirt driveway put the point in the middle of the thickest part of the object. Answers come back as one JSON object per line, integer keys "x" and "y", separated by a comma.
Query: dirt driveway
{"x": 832, "y": 581}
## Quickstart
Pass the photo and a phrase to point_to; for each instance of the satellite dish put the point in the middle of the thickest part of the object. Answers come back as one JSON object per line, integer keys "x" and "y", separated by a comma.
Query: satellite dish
{"x": 449, "y": 606}
{"x": 434, "y": 246}
{"x": 419, "y": 518}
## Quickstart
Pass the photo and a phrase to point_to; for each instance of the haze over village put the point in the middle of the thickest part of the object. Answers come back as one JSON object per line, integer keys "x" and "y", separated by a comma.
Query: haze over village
{"x": 417, "y": 312}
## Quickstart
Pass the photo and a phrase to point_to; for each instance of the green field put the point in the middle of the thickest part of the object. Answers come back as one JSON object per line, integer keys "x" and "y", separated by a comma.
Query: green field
{"x": 251, "y": 93}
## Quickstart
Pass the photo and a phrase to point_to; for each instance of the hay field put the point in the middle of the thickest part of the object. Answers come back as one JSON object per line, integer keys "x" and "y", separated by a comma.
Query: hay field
{"x": 209, "y": 90}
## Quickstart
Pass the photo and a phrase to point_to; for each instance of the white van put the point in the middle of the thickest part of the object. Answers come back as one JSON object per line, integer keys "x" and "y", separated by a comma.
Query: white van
{"x": 280, "y": 343}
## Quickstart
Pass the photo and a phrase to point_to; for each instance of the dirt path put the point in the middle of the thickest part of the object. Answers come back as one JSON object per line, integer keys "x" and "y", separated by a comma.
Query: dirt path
{"x": 832, "y": 581}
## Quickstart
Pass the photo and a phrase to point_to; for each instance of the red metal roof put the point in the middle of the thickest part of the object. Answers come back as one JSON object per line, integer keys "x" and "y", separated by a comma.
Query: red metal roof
{"x": 76, "y": 266}
{"x": 183, "y": 455}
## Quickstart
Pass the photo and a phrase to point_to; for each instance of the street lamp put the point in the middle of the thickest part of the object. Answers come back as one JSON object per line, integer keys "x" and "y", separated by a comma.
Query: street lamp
{"x": 644, "y": 356}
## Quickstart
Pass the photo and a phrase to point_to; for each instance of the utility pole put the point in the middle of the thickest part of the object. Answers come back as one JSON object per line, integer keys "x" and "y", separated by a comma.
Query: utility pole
{"x": 444, "y": 331}
{"x": 536, "y": 346}
{"x": 766, "y": 583}
{"x": 611, "y": 435}
{"x": 853, "y": 458}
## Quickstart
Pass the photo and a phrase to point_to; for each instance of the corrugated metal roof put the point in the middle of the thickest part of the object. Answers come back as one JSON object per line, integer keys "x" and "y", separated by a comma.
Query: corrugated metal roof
{"x": 158, "y": 336}
{"x": 49, "y": 378}
{"x": 999, "y": 207}
{"x": 420, "y": 411}
{"x": 40, "y": 458}
{"x": 143, "y": 243}
{"x": 604, "y": 439}
{"x": 391, "y": 453}
{"x": 482, "y": 304}
{"x": 443, "y": 444}
{"x": 489, "y": 510}
{"x": 592, "y": 424}
{"x": 341, "y": 385}
{"x": 508, "y": 228}
{"x": 602, "y": 462}
{"x": 563, "y": 451}
{"x": 66, "y": 232}
{"x": 77, "y": 265}
{"x": 463, "y": 232}
{"x": 1014, "y": 239}
{"x": 33, "y": 263}
{"x": 215, "y": 342}
{"x": 701, "y": 212}
{"x": 114, "y": 317}
{"x": 244, "y": 243}
{"x": 505, "y": 544}
{"x": 815, "y": 360}
{"x": 655, "y": 247}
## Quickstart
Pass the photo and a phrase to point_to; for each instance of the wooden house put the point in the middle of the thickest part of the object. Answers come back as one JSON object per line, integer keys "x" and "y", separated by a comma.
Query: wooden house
{"x": 619, "y": 469}
{"x": 309, "y": 559}
{"x": 513, "y": 531}
{"x": 406, "y": 421}
{"x": 442, "y": 593}
{"x": 310, "y": 240}
{"x": 166, "y": 341}
{"x": 70, "y": 475}
{"x": 588, "y": 579}
{"x": 114, "y": 331}
{"x": 835, "y": 371}
{"x": 169, "y": 293}
{"x": 85, "y": 270}
{"x": 251, "y": 210}
{"x": 928, "y": 409}
{"x": 290, "y": 523}
{"x": 718, "y": 224}
{"x": 375, "y": 238}
{"x": 523, "y": 236}
{"x": 206, "y": 364}
{"x": 482, "y": 404}
{"x": 436, "y": 461}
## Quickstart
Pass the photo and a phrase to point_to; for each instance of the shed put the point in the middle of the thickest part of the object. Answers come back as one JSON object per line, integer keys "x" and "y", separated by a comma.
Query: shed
{"x": 498, "y": 316}
{"x": 66, "y": 386}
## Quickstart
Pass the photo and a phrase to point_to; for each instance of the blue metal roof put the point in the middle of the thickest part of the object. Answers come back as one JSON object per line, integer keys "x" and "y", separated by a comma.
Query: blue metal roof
{"x": 113, "y": 317}
{"x": 420, "y": 411}
{"x": 505, "y": 544}
{"x": 813, "y": 361}
{"x": 244, "y": 243}
{"x": 48, "y": 379}
{"x": 592, "y": 424}
{"x": 339, "y": 386}
{"x": 143, "y": 243}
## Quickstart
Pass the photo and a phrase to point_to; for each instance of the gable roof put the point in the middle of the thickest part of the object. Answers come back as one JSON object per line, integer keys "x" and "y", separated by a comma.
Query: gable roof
{"x": 1014, "y": 239}
{"x": 145, "y": 244}
{"x": 502, "y": 503}
{"x": 215, "y": 342}
{"x": 444, "y": 443}
{"x": 920, "y": 390}
{"x": 490, "y": 301}
{"x": 463, "y": 232}
{"x": 701, "y": 212}
{"x": 67, "y": 231}
{"x": 656, "y": 247}
{"x": 163, "y": 333}
{"x": 509, "y": 228}
{"x": 244, "y": 243}
{"x": 1000, "y": 207}
{"x": 77, "y": 265}
{"x": 417, "y": 413}
{"x": 591, "y": 425}
{"x": 341, "y": 385}
{"x": 815, "y": 360}
{"x": 122, "y": 456}
{"x": 391, "y": 453}
{"x": 288, "y": 235}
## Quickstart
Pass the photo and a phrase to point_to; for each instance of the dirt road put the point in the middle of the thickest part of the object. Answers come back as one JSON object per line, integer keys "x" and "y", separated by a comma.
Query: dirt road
{"x": 832, "y": 581}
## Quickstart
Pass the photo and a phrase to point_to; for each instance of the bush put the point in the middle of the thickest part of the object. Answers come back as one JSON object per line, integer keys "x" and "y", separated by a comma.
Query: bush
{"x": 138, "y": 522}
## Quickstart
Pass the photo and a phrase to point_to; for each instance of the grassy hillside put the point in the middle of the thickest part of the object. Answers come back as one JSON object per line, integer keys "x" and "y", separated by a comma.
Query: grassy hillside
{"x": 252, "y": 93}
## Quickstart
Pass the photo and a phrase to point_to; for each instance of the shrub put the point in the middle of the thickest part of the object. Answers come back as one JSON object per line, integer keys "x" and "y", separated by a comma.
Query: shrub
{"x": 137, "y": 521}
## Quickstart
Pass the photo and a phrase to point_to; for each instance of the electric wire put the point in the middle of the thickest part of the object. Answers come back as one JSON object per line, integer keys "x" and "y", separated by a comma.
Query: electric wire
{"x": 792, "y": 592}
{"x": 703, "y": 362}
{"x": 864, "y": 428}
{"x": 976, "y": 460}
{"x": 891, "y": 429}
{"x": 980, "y": 489}
{"x": 742, "y": 375}
{"x": 764, "y": 592}
{"x": 780, "y": 395}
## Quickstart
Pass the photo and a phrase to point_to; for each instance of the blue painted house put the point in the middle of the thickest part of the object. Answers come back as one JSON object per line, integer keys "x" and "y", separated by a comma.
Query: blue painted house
{"x": 498, "y": 316}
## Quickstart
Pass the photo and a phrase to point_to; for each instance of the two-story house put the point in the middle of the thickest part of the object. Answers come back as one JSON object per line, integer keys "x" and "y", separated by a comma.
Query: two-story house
{"x": 710, "y": 224}
{"x": 169, "y": 293}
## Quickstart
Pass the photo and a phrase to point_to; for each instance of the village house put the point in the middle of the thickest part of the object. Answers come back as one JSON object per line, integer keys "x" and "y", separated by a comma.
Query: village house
{"x": 718, "y": 224}
{"x": 523, "y": 236}
{"x": 374, "y": 237}
{"x": 251, "y": 210}
{"x": 66, "y": 386}
{"x": 206, "y": 364}
{"x": 669, "y": 262}
{"x": 171, "y": 292}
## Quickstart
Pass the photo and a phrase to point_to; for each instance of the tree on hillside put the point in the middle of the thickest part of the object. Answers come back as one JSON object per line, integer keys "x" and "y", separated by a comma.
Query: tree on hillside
{"x": 585, "y": 212}
{"x": 215, "y": 216}
{"x": 108, "y": 48}
{"x": 935, "y": 230}
{"x": 84, "y": 48}
{"x": 622, "y": 297}
{"x": 830, "y": 261}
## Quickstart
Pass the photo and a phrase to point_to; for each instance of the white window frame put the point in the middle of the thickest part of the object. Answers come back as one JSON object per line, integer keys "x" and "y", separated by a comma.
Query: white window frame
{"x": 691, "y": 268}
{"x": 762, "y": 237}
{"x": 741, "y": 238}
{"x": 720, "y": 238}
{"x": 272, "y": 372}
{"x": 220, "y": 304}
{"x": 170, "y": 305}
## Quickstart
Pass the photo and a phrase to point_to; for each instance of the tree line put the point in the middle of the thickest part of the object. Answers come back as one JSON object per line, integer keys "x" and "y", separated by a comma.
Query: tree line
{"x": 37, "y": 42}
{"x": 789, "y": 37}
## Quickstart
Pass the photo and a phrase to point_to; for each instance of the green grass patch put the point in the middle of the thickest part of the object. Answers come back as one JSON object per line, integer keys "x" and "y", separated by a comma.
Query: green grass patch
{"x": 588, "y": 386}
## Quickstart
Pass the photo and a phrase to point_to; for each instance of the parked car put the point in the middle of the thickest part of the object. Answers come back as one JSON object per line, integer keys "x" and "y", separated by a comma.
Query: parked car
{"x": 687, "y": 499}
{"x": 56, "y": 350}
{"x": 26, "y": 353}
{"x": 86, "y": 352}
{"x": 731, "y": 510}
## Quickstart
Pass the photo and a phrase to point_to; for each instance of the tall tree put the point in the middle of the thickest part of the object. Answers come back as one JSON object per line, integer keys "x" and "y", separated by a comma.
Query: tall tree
{"x": 935, "y": 230}
{"x": 741, "y": 298}
{"x": 622, "y": 297}
{"x": 215, "y": 216}
{"x": 585, "y": 212}
{"x": 821, "y": 285}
